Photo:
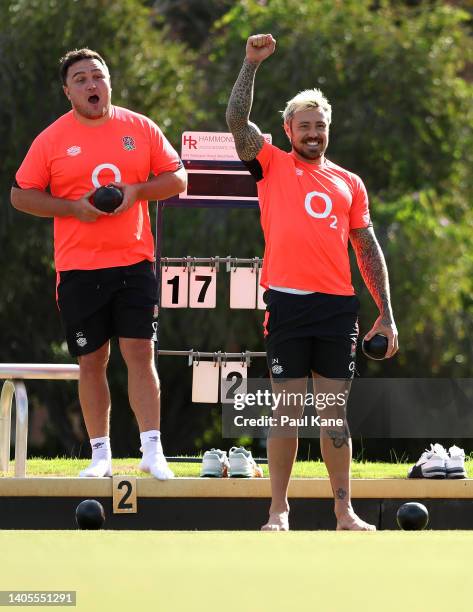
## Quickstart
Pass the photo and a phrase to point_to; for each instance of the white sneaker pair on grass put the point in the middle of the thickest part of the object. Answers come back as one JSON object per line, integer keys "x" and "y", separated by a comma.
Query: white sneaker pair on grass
{"x": 153, "y": 463}
{"x": 438, "y": 463}
{"x": 238, "y": 464}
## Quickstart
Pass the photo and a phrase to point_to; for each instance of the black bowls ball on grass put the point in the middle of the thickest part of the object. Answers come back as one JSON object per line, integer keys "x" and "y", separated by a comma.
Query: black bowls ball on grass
{"x": 412, "y": 516}
{"x": 90, "y": 514}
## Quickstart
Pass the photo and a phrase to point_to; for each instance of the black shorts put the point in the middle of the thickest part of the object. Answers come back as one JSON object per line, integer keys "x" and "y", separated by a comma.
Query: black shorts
{"x": 316, "y": 332}
{"x": 96, "y": 305}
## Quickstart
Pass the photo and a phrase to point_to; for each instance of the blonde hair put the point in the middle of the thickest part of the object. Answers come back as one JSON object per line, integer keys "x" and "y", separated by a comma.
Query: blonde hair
{"x": 305, "y": 100}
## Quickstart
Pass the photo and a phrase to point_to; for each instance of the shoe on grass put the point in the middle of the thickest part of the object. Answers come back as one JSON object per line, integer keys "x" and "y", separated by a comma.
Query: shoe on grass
{"x": 455, "y": 463}
{"x": 214, "y": 464}
{"x": 432, "y": 463}
{"x": 242, "y": 464}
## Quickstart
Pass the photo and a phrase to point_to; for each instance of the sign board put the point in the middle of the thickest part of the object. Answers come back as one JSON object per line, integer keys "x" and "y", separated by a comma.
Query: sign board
{"x": 210, "y": 146}
{"x": 214, "y": 170}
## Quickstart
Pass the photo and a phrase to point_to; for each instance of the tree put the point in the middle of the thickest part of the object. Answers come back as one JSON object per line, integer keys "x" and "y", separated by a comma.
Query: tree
{"x": 401, "y": 113}
{"x": 191, "y": 21}
{"x": 395, "y": 75}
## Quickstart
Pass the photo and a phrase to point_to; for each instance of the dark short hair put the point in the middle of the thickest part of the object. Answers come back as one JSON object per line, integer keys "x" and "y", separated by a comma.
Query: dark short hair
{"x": 76, "y": 55}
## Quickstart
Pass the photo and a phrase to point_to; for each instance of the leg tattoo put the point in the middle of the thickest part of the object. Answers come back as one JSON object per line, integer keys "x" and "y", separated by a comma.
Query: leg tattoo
{"x": 339, "y": 438}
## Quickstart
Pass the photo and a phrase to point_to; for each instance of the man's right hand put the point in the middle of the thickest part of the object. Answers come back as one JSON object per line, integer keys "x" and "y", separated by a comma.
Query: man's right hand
{"x": 259, "y": 47}
{"x": 86, "y": 212}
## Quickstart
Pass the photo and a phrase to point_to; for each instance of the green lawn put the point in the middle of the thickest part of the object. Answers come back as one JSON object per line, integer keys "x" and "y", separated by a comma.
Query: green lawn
{"x": 244, "y": 571}
{"x": 302, "y": 469}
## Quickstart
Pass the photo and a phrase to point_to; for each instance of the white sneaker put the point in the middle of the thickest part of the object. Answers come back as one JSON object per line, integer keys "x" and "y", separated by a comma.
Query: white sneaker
{"x": 455, "y": 463}
{"x": 432, "y": 463}
{"x": 242, "y": 464}
{"x": 214, "y": 464}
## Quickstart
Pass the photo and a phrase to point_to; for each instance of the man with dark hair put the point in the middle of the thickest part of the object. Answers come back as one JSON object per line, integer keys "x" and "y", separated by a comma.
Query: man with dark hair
{"x": 106, "y": 285}
{"x": 310, "y": 207}
{"x": 71, "y": 57}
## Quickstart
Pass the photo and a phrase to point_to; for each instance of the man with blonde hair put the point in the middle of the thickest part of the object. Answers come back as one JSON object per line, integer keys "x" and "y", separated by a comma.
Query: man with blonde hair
{"x": 310, "y": 207}
{"x": 305, "y": 100}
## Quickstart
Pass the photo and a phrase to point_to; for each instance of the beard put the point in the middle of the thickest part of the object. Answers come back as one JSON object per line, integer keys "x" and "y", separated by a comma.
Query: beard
{"x": 307, "y": 153}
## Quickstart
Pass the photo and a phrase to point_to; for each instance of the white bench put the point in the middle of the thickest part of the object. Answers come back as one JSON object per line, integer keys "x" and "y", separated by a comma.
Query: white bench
{"x": 14, "y": 374}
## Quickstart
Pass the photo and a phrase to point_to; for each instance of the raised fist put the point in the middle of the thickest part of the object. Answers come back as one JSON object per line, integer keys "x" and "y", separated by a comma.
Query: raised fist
{"x": 259, "y": 47}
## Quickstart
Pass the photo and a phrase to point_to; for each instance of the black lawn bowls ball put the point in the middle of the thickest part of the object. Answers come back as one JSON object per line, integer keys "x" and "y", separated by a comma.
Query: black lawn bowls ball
{"x": 90, "y": 514}
{"x": 107, "y": 198}
{"x": 376, "y": 347}
{"x": 412, "y": 516}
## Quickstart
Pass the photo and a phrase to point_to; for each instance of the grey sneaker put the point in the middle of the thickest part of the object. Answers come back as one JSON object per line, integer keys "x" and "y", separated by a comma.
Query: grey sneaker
{"x": 214, "y": 464}
{"x": 242, "y": 464}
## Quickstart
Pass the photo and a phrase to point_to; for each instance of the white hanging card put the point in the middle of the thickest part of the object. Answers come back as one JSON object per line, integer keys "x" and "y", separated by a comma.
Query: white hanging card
{"x": 243, "y": 288}
{"x": 233, "y": 377}
{"x": 203, "y": 287}
{"x": 174, "y": 287}
{"x": 205, "y": 377}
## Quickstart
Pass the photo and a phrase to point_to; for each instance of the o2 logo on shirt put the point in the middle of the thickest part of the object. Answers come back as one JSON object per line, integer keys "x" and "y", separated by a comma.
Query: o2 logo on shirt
{"x": 328, "y": 207}
{"x": 98, "y": 169}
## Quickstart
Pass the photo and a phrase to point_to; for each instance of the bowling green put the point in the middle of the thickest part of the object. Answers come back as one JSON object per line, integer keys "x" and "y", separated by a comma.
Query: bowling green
{"x": 244, "y": 571}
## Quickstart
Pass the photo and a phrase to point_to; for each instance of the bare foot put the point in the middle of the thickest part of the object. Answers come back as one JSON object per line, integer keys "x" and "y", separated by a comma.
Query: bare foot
{"x": 349, "y": 521}
{"x": 278, "y": 521}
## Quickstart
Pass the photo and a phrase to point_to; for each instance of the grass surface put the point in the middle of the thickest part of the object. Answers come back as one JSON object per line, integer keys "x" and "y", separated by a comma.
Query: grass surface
{"x": 302, "y": 469}
{"x": 245, "y": 571}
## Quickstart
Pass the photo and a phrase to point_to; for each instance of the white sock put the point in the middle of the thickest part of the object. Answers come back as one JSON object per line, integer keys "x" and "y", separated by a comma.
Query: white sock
{"x": 101, "y": 464}
{"x": 101, "y": 447}
{"x": 151, "y": 442}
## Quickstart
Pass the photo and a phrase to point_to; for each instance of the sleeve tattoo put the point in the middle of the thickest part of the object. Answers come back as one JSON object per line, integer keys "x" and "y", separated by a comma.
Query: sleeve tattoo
{"x": 248, "y": 137}
{"x": 373, "y": 268}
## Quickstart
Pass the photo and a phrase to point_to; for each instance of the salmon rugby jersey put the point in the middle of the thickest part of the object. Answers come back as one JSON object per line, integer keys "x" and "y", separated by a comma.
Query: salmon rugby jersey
{"x": 72, "y": 158}
{"x": 307, "y": 212}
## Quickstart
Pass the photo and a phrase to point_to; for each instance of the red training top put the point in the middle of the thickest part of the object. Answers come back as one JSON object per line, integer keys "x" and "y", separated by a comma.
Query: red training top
{"x": 307, "y": 212}
{"x": 72, "y": 159}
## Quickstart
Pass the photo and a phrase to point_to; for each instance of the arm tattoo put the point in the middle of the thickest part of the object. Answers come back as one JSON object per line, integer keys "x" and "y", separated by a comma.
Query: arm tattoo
{"x": 248, "y": 138}
{"x": 373, "y": 269}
